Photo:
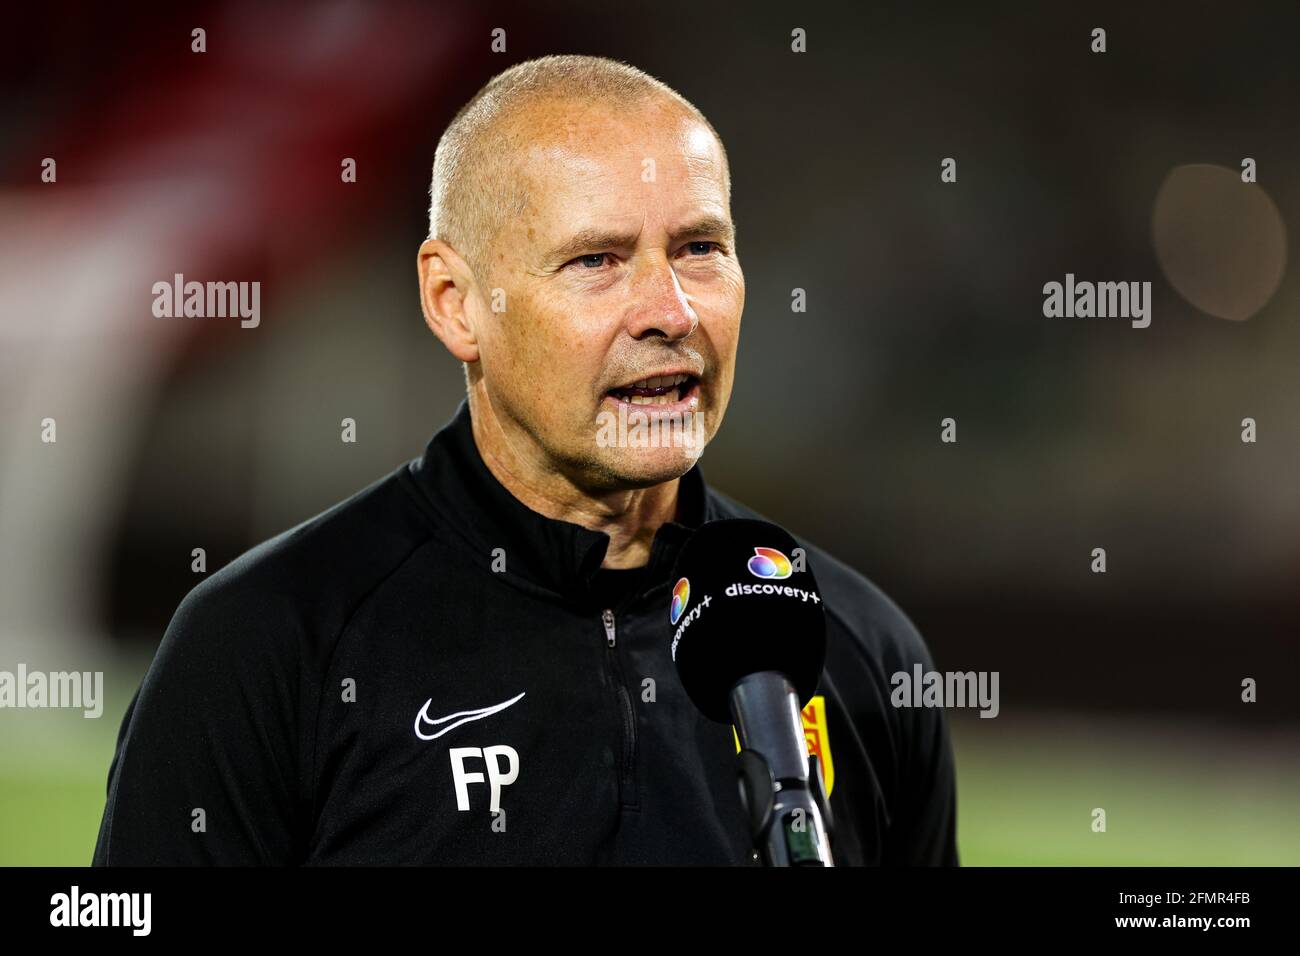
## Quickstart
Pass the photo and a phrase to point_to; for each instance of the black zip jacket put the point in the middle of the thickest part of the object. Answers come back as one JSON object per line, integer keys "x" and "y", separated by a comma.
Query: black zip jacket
{"x": 432, "y": 673}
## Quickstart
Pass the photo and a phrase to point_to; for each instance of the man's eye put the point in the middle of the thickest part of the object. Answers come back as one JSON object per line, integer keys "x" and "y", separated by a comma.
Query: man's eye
{"x": 595, "y": 260}
{"x": 702, "y": 247}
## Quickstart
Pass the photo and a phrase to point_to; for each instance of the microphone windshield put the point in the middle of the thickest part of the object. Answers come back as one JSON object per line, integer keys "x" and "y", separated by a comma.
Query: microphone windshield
{"x": 744, "y": 600}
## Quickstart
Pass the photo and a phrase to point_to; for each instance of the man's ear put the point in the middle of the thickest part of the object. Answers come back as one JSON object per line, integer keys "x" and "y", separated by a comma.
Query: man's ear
{"x": 444, "y": 296}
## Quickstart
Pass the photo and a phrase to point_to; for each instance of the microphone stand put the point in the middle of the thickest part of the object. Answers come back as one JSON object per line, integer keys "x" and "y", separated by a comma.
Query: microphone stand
{"x": 781, "y": 786}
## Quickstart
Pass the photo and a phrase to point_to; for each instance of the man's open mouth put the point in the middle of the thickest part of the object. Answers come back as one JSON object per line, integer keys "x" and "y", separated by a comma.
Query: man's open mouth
{"x": 657, "y": 390}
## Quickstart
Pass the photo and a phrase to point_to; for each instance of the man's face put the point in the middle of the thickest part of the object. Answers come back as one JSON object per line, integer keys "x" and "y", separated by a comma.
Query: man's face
{"x": 622, "y": 270}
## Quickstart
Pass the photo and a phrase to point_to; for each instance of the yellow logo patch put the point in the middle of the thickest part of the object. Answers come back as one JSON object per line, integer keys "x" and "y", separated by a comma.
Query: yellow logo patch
{"x": 814, "y": 732}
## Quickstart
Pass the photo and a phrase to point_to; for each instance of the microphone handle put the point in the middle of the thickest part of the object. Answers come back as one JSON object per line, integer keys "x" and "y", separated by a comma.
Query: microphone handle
{"x": 784, "y": 808}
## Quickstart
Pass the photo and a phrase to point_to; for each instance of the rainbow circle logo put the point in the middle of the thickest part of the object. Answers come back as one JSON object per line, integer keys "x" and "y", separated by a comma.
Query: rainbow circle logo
{"x": 769, "y": 563}
{"x": 681, "y": 594}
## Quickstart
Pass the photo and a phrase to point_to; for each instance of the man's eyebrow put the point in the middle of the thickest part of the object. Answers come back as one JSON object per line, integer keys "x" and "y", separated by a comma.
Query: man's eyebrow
{"x": 709, "y": 226}
{"x": 587, "y": 240}
{"x": 584, "y": 241}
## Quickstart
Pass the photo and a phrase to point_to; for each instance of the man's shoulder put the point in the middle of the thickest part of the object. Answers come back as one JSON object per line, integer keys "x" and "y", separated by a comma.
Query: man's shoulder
{"x": 316, "y": 572}
{"x": 852, "y": 600}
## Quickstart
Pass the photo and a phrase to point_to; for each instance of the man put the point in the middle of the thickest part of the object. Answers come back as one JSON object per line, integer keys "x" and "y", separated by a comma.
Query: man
{"x": 468, "y": 661}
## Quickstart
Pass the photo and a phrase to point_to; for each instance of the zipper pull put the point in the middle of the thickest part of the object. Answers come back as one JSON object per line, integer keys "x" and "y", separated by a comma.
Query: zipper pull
{"x": 608, "y": 618}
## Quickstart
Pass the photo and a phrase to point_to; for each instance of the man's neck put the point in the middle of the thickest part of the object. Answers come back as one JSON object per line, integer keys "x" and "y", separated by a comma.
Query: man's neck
{"x": 630, "y": 517}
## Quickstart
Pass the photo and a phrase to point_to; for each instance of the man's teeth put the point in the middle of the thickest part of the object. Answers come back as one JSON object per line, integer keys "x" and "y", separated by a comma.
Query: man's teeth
{"x": 670, "y": 384}
{"x": 659, "y": 381}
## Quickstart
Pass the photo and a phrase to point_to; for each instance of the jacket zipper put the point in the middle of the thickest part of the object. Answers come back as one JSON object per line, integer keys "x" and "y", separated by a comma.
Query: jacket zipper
{"x": 627, "y": 766}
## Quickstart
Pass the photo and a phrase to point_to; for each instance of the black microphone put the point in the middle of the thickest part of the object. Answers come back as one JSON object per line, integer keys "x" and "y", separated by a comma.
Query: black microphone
{"x": 749, "y": 641}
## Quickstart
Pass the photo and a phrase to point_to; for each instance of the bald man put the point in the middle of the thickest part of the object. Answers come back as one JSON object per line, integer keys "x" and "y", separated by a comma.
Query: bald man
{"x": 469, "y": 661}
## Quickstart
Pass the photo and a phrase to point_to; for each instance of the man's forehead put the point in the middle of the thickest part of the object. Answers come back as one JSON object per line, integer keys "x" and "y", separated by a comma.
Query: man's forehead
{"x": 579, "y": 121}
{"x": 621, "y": 146}
{"x": 673, "y": 169}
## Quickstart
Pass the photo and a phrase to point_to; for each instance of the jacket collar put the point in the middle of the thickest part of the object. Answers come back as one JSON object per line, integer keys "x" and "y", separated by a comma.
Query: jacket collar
{"x": 558, "y": 557}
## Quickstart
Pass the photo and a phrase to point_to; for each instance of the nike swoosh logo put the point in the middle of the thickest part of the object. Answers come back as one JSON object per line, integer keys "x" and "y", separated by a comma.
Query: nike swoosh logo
{"x": 458, "y": 718}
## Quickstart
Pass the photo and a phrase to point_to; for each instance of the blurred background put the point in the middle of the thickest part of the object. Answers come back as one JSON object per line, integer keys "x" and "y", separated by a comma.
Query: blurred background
{"x": 924, "y": 301}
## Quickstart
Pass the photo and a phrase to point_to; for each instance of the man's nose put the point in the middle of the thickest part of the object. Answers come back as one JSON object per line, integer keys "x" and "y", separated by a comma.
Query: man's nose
{"x": 659, "y": 305}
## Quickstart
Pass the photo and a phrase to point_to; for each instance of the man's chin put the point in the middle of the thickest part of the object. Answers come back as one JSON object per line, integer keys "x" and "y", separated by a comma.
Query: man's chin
{"x": 640, "y": 447}
{"x": 647, "y": 467}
